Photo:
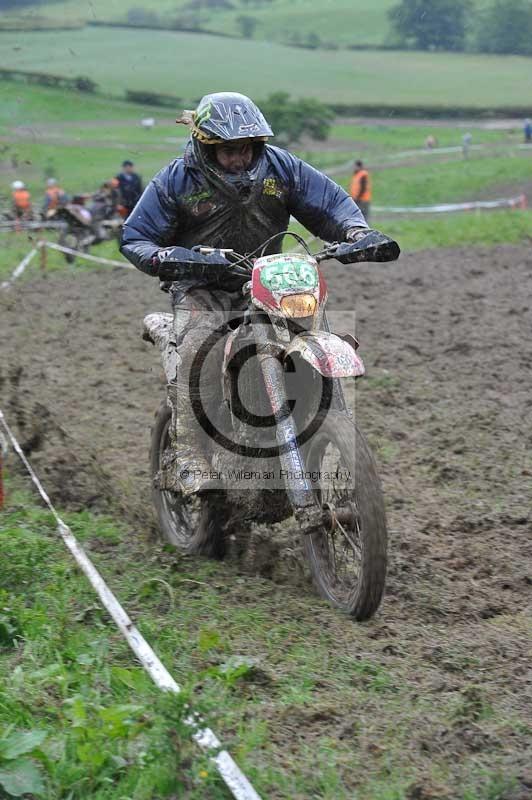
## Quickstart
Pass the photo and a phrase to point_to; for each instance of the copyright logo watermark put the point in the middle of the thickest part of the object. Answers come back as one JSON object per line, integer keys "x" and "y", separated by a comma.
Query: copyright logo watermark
{"x": 259, "y": 405}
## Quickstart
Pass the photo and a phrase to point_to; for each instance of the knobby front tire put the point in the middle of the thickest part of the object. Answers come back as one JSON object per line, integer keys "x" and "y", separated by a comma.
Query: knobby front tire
{"x": 348, "y": 565}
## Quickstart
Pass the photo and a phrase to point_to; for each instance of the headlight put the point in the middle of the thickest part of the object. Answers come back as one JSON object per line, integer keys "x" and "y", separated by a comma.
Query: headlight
{"x": 298, "y": 305}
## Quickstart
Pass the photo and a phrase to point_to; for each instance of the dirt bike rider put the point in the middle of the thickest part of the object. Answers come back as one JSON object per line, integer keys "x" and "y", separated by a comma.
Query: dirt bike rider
{"x": 230, "y": 190}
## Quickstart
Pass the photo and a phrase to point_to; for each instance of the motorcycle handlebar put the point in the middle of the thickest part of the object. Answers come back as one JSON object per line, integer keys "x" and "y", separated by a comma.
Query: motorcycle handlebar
{"x": 375, "y": 246}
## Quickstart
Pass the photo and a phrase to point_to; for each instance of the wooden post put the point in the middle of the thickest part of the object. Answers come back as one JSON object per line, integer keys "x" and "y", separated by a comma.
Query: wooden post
{"x": 43, "y": 256}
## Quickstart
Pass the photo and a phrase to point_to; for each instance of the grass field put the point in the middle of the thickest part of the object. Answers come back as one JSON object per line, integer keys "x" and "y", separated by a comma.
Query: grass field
{"x": 188, "y": 65}
{"x": 388, "y": 138}
{"x": 448, "y": 182}
{"x": 100, "y": 729}
{"x": 101, "y": 133}
{"x": 24, "y": 104}
{"x": 337, "y": 21}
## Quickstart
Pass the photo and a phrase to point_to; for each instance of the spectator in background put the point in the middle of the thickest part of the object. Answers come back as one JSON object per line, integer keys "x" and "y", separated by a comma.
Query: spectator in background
{"x": 431, "y": 142}
{"x": 360, "y": 188}
{"x": 130, "y": 186}
{"x": 467, "y": 138}
{"x": 527, "y": 130}
{"x": 54, "y": 196}
{"x": 21, "y": 201}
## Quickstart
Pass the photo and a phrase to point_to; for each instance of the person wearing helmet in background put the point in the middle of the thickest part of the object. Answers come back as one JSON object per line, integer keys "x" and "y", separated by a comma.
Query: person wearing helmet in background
{"x": 130, "y": 186}
{"x": 54, "y": 196}
{"x": 230, "y": 190}
{"x": 21, "y": 200}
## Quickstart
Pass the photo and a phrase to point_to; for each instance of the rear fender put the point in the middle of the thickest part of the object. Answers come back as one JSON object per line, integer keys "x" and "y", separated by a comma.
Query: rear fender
{"x": 327, "y": 353}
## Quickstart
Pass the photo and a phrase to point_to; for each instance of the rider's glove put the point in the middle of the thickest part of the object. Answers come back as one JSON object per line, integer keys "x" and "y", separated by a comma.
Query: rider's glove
{"x": 355, "y": 234}
{"x": 174, "y": 263}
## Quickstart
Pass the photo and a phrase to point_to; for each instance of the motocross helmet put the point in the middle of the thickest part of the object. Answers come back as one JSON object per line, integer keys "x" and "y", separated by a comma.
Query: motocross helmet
{"x": 18, "y": 185}
{"x": 225, "y": 117}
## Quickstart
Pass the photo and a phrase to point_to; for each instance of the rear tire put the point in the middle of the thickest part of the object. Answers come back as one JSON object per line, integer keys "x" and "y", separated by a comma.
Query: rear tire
{"x": 191, "y": 523}
{"x": 348, "y": 565}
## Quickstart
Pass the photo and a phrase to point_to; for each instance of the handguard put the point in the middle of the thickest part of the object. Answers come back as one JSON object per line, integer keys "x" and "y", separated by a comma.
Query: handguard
{"x": 176, "y": 263}
{"x": 375, "y": 246}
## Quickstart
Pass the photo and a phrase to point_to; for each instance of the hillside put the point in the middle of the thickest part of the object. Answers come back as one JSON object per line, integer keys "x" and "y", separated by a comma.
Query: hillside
{"x": 188, "y": 65}
{"x": 336, "y": 21}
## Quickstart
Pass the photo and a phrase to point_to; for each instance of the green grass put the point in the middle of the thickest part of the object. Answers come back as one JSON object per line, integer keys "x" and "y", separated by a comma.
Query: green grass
{"x": 389, "y": 138}
{"x": 303, "y": 717}
{"x": 336, "y": 21}
{"x": 24, "y": 104}
{"x": 449, "y": 230}
{"x": 488, "y": 173}
{"x": 80, "y": 169}
{"x": 459, "y": 230}
{"x": 189, "y": 65}
{"x": 14, "y": 246}
{"x": 64, "y": 672}
{"x": 448, "y": 182}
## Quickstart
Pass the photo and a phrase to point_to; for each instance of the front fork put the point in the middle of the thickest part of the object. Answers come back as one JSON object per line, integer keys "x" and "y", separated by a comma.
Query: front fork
{"x": 298, "y": 487}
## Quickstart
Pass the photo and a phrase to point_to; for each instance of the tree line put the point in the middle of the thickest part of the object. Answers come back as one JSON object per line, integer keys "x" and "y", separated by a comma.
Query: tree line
{"x": 505, "y": 26}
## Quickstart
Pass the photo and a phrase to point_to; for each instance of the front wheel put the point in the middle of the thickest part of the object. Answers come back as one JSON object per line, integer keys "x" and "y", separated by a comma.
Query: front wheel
{"x": 73, "y": 241}
{"x": 348, "y": 560}
{"x": 190, "y": 523}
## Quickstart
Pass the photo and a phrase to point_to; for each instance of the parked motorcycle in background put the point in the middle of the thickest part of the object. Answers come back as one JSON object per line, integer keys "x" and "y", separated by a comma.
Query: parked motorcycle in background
{"x": 88, "y": 220}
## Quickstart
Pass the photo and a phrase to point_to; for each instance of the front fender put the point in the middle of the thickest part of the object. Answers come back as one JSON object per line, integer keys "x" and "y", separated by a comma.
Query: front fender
{"x": 327, "y": 353}
{"x": 159, "y": 330}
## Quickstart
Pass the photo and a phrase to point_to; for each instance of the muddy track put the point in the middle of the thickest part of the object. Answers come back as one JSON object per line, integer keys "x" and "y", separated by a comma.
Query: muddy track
{"x": 446, "y": 405}
{"x": 445, "y": 337}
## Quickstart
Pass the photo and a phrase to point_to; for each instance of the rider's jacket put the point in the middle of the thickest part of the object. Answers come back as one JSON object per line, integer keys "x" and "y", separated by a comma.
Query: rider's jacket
{"x": 188, "y": 203}
{"x": 53, "y": 198}
{"x": 360, "y": 187}
{"x": 21, "y": 199}
{"x": 130, "y": 186}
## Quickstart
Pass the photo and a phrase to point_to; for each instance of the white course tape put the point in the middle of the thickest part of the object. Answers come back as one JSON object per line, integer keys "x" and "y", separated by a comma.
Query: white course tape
{"x": 229, "y": 771}
{"x": 20, "y": 269}
{"x": 16, "y": 226}
{"x": 406, "y": 154}
{"x": 86, "y": 256}
{"x": 507, "y": 202}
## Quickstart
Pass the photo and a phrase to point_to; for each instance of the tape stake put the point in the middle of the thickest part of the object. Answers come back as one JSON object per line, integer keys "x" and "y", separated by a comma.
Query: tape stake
{"x": 229, "y": 771}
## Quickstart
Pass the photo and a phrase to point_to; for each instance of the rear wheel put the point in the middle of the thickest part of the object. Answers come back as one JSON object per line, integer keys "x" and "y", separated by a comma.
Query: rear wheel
{"x": 348, "y": 560}
{"x": 189, "y": 522}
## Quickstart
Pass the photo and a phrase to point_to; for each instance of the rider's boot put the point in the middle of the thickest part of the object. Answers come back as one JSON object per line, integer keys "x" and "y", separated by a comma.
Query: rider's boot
{"x": 190, "y": 471}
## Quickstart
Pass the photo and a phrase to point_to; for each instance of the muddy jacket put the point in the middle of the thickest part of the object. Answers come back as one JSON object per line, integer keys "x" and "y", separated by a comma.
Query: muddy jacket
{"x": 130, "y": 186}
{"x": 189, "y": 203}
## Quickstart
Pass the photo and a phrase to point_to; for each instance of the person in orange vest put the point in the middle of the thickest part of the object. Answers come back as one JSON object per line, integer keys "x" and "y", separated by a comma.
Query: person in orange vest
{"x": 360, "y": 188}
{"x": 54, "y": 196}
{"x": 21, "y": 200}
